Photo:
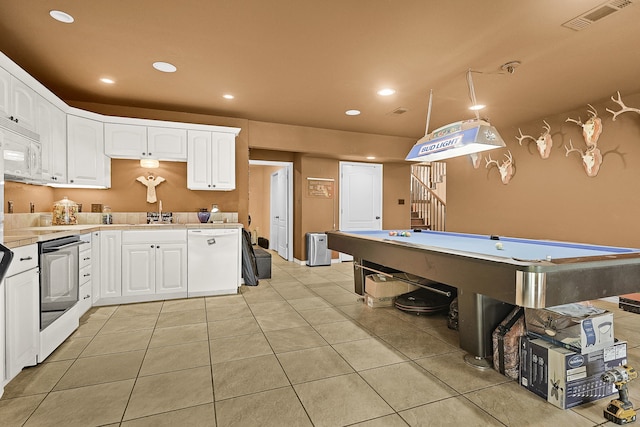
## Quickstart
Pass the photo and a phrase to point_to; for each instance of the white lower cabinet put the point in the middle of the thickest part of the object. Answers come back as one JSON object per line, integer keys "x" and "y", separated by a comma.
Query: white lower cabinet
{"x": 22, "y": 311}
{"x": 84, "y": 275}
{"x": 154, "y": 263}
{"x": 110, "y": 264}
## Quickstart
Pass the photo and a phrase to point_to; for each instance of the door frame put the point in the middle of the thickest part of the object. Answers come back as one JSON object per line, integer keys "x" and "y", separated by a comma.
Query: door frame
{"x": 289, "y": 199}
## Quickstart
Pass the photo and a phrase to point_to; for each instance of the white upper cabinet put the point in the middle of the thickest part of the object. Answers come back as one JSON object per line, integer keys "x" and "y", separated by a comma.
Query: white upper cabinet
{"x": 211, "y": 161}
{"x": 5, "y": 89}
{"x": 167, "y": 143}
{"x": 52, "y": 128}
{"x": 86, "y": 161}
{"x": 125, "y": 141}
{"x": 17, "y": 101}
{"x": 133, "y": 141}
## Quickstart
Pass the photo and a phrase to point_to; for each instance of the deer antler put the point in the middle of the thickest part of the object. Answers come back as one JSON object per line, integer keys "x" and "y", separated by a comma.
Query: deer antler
{"x": 592, "y": 111}
{"x": 523, "y": 137}
{"x": 624, "y": 107}
{"x": 578, "y": 122}
{"x": 489, "y": 161}
{"x": 547, "y": 127}
{"x": 572, "y": 149}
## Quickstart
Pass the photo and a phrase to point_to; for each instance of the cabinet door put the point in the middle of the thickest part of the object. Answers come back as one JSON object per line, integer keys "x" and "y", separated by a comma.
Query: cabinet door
{"x": 51, "y": 125}
{"x": 5, "y": 89}
{"x": 125, "y": 141}
{"x": 171, "y": 268}
{"x": 138, "y": 269}
{"x": 110, "y": 271}
{"x": 23, "y": 104}
{"x": 95, "y": 266}
{"x": 223, "y": 161}
{"x": 199, "y": 160}
{"x": 22, "y": 321}
{"x": 167, "y": 143}
{"x": 87, "y": 164}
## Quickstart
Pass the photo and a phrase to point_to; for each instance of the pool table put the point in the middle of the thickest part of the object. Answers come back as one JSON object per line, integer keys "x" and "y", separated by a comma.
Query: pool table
{"x": 494, "y": 273}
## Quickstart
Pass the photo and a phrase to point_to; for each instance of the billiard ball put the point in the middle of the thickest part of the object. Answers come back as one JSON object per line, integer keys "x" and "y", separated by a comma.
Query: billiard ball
{"x": 499, "y": 246}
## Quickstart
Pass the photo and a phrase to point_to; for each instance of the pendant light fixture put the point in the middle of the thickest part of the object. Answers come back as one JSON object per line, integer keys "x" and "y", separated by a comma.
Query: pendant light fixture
{"x": 458, "y": 138}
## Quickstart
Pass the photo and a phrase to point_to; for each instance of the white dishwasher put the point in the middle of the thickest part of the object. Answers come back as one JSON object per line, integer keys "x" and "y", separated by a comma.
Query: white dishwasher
{"x": 214, "y": 261}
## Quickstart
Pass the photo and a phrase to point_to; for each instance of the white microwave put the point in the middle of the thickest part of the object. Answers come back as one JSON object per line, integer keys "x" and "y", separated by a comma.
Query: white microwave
{"x": 21, "y": 154}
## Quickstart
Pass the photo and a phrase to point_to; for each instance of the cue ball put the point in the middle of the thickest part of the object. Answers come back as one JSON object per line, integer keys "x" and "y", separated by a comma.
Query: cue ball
{"x": 499, "y": 246}
{"x": 407, "y": 234}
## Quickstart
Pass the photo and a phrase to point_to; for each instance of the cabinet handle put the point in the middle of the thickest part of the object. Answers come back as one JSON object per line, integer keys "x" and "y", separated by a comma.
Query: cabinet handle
{"x": 88, "y": 296}
{"x": 71, "y": 180}
{"x": 150, "y": 153}
{"x": 28, "y": 258}
{"x": 152, "y": 246}
{"x": 87, "y": 258}
{"x": 144, "y": 154}
{"x": 86, "y": 275}
{"x": 158, "y": 246}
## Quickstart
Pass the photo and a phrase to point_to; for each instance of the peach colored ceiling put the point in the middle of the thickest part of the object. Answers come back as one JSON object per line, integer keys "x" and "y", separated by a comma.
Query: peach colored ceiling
{"x": 306, "y": 62}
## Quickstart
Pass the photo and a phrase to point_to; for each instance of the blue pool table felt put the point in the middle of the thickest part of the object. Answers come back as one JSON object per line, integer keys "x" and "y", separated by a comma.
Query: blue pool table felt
{"x": 516, "y": 248}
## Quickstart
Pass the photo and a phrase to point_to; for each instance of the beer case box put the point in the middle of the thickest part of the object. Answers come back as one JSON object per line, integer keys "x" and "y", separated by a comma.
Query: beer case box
{"x": 579, "y": 327}
{"x": 375, "y": 302}
{"x": 566, "y": 378}
{"x": 380, "y": 286}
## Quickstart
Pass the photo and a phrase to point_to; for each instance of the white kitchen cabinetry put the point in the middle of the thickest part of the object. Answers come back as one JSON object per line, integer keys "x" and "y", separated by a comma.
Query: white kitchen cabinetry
{"x": 132, "y": 141}
{"x": 52, "y": 127}
{"x": 167, "y": 143}
{"x": 22, "y": 311}
{"x": 211, "y": 161}
{"x": 154, "y": 263}
{"x": 110, "y": 264}
{"x": 5, "y": 89}
{"x": 87, "y": 163}
{"x": 84, "y": 275}
{"x": 17, "y": 101}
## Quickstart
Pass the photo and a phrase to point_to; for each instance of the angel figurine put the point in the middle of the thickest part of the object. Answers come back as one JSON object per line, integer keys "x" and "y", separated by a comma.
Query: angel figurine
{"x": 151, "y": 183}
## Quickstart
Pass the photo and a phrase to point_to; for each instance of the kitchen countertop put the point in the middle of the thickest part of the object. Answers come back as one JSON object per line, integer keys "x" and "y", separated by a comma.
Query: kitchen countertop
{"x": 30, "y": 235}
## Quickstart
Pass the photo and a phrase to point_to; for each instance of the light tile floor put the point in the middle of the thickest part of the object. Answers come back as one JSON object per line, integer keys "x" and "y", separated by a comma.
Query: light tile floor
{"x": 300, "y": 349}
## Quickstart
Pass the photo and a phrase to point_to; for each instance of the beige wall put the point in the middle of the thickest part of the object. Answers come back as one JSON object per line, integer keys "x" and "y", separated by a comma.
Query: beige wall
{"x": 554, "y": 198}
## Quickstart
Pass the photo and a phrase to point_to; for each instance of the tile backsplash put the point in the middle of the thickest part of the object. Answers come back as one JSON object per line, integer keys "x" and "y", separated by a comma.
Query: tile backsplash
{"x": 25, "y": 220}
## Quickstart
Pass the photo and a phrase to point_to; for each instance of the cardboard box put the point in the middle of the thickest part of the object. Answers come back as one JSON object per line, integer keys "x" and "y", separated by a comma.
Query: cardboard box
{"x": 375, "y": 302}
{"x": 379, "y": 286}
{"x": 566, "y": 378}
{"x": 581, "y": 328}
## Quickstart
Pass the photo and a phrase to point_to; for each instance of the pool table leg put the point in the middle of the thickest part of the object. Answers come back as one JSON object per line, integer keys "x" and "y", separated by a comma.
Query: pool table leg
{"x": 478, "y": 316}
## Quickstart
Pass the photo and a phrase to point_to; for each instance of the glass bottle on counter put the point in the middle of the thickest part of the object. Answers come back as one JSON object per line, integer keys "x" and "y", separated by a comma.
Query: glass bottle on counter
{"x": 107, "y": 217}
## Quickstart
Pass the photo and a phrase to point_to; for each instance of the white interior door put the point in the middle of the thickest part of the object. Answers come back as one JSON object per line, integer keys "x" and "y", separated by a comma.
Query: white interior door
{"x": 360, "y": 198}
{"x": 281, "y": 206}
{"x": 282, "y": 218}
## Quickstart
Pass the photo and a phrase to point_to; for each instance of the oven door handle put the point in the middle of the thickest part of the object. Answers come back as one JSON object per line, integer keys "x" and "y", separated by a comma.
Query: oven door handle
{"x": 59, "y": 248}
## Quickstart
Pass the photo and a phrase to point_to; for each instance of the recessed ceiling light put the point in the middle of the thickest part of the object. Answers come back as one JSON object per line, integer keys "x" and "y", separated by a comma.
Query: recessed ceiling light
{"x": 61, "y": 16}
{"x": 477, "y": 107}
{"x": 371, "y": 157}
{"x": 352, "y": 112}
{"x": 107, "y": 80}
{"x": 228, "y": 96}
{"x": 386, "y": 92}
{"x": 165, "y": 67}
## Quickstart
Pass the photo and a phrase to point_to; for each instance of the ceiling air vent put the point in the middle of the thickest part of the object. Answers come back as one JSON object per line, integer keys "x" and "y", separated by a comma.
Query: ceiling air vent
{"x": 581, "y": 22}
{"x": 399, "y": 110}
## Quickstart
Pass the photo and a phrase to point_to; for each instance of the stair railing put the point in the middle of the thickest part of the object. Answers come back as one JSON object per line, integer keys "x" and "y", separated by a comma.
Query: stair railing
{"x": 425, "y": 202}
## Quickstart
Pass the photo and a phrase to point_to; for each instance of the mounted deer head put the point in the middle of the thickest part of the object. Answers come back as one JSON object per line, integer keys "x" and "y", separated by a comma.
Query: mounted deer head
{"x": 506, "y": 169}
{"x": 592, "y": 129}
{"x": 475, "y": 159}
{"x": 624, "y": 108}
{"x": 543, "y": 143}
{"x": 591, "y": 158}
